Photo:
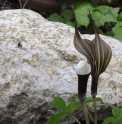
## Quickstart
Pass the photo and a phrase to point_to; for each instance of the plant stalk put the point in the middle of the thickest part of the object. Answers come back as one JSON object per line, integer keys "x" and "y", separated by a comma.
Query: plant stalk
{"x": 90, "y": 116}
{"x": 75, "y": 119}
{"x": 85, "y": 112}
{"x": 95, "y": 110}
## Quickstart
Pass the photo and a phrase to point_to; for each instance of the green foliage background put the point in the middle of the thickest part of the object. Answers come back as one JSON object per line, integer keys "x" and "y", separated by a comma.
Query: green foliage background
{"x": 65, "y": 109}
{"x": 117, "y": 117}
{"x": 107, "y": 19}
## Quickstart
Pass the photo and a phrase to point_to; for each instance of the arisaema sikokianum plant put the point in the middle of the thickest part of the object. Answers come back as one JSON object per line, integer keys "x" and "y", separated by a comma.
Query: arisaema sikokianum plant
{"x": 98, "y": 54}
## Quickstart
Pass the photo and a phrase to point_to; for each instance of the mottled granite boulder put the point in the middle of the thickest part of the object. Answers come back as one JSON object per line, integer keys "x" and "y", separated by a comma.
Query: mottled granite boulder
{"x": 37, "y": 60}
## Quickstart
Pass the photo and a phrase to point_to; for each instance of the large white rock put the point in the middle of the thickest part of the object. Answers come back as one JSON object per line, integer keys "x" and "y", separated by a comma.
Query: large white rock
{"x": 37, "y": 60}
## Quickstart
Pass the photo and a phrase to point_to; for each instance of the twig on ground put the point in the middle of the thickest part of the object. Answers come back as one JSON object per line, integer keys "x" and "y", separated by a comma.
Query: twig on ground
{"x": 3, "y": 4}
{"x": 25, "y": 3}
{"x": 20, "y": 3}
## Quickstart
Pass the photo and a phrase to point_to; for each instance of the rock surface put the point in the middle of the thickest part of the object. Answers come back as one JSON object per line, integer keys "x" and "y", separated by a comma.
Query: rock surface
{"x": 37, "y": 60}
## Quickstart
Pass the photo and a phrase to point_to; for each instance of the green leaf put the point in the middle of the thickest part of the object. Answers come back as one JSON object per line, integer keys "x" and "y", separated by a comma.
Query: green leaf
{"x": 74, "y": 106}
{"x": 109, "y": 120}
{"x": 118, "y": 120}
{"x": 67, "y": 14}
{"x": 82, "y": 12}
{"x": 114, "y": 11}
{"x": 54, "y": 119}
{"x": 59, "y": 103}
{"x": 98, "y": 99}
{"x": 56, "y": 17}
{"x": 103, "y": 9}
{"x": 87, "y": 100}
{"x": 120, "y": 24}
{"x": 90, "y": 99}
{"x": 109, "y": 18}
{"x": 98, "y": 18}
{"x": 117, "y": 31}
{"x": 109, "y": 14}
{"x": 116, "y": 112}
{"x": 108, "y": 10}
{"x": 70, "y": 23}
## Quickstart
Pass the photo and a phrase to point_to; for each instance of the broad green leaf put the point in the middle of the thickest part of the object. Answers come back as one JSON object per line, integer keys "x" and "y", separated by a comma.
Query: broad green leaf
{"x": 120, "y": 23}
{"x": 109, "y": 14}
{"x": 118, "y": 37}
{"x": 117, "y": 31}
{"x": 74, "y": 106}
{"x": 80, "y": 4}
{"x": 109, "y": 120}
{"x": 87, "y": 100}
{"x": 67, "y": 14}
{"x": 118, "y": 120}
{"x": 116, "y": 112}
{"x": 59, "y": 103}
{"x": 98, "y": 99}
{"x": 103, "y": 9}
{"x": 56, "y": 17}
{"x": 54, "y": 119}
{"x": 117, "y": 28}
{"x": 90, "y": 99}
{"x": 114, "y": 11}
{"x": 82, "y": 12}
{"x": 70, "y": 23}
{"x": 98, "y": 18}
{"x": 109, "y": 18}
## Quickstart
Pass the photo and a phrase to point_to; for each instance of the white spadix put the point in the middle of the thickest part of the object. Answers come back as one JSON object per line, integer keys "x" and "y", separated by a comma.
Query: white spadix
{"x": 83, "y": 68}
